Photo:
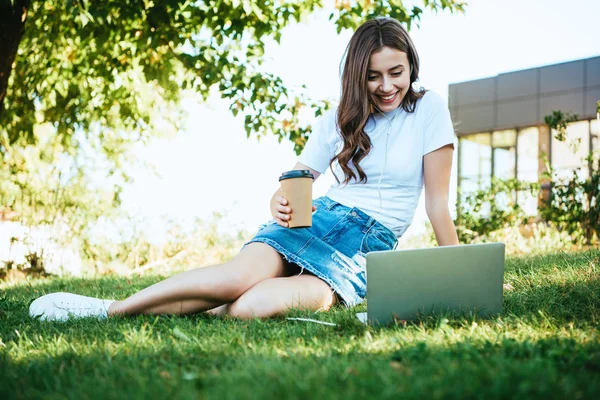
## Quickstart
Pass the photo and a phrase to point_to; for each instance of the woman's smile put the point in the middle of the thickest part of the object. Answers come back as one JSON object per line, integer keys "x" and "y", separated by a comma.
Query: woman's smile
{"x": 388, "y": 99}
{"x": 388, "y": 78}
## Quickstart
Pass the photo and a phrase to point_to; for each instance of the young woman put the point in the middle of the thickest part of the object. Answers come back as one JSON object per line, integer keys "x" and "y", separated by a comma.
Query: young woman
{"x": 384, "y": 143}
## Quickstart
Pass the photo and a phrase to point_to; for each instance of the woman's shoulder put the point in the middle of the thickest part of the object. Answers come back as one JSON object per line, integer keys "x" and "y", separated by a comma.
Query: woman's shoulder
{"x": 330, "y": 116}
{"x": 432, "y": 101}
{"x": 327, "y": 120}
{"x": 324, "y": 125}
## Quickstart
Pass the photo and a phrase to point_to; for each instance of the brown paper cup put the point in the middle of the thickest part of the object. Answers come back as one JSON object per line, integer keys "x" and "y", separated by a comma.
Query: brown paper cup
{"x": 296, "y": 186}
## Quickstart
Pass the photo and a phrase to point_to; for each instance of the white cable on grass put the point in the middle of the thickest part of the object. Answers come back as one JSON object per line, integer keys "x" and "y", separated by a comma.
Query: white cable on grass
{"x": 316, "y": 321}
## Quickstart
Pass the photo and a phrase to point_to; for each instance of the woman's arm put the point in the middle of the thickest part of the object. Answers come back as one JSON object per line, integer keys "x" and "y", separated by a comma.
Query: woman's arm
{"x": 437, "y": 166}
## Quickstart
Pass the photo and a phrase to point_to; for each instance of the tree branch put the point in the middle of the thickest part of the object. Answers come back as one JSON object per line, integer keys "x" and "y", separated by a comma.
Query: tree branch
{"x": 13, "y": 14}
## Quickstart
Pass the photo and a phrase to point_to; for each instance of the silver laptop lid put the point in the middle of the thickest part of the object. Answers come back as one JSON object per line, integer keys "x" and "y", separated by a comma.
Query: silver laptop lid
{"x": 403, "y": 283}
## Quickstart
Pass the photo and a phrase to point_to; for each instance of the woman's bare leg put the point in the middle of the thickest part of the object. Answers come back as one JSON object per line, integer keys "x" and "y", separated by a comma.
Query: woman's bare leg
{"x": 221, "y": 310}
{"x": 187, "y": 307}
{"x": 206, "y": 288}
{"x": 277, "y": 295}
{"x": 267, "y": 298}
{"x": 183, "y": 307}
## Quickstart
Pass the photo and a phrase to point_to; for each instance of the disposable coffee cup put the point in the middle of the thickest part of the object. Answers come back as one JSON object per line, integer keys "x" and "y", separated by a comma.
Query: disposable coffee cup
{"x": 296, "y": 186}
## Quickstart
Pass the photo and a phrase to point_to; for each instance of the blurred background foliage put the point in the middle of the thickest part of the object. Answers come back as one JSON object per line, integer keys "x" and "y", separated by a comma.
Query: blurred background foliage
{"x": 81, "y": 82}
{"x": 115, "y": 70}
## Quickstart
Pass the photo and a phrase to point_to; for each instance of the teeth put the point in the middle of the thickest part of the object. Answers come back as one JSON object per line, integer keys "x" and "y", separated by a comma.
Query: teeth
{"x": 388, "y": 97}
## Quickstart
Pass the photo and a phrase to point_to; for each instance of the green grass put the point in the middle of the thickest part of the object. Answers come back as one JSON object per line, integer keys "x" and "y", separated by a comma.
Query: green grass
{"x": 546, "y": 344}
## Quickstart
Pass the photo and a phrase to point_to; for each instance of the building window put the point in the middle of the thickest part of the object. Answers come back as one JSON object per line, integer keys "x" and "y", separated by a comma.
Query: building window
{"x": 528, "y": 166}
{"x": 475, "y": 167}
{"x": 504, "y": 144}
{"x": 595, "y": 132}
{"x": 570, "y": 155}
{"x": 527, "y": 151}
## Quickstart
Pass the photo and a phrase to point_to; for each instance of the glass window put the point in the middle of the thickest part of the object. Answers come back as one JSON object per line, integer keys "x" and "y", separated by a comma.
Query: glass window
{"x": 595, "y": 129}
{"x": 571, "y": 154}
{"x": 527, "y": 150}
{"x": 475, "y": 162}
{"x": 504, "y": 144}
{"x": 527, "y": 167}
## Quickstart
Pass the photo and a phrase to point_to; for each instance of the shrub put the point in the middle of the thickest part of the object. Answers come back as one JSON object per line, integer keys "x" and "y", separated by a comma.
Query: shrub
{"x": 573, "y": 204}
{"x": 493, "y": 208}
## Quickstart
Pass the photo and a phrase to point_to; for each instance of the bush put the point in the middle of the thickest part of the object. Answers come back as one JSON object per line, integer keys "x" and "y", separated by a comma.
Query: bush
{"x": 490, "y": 209}
{"x": 51, "y": 199}
{"x": 533, "y": 238}
{"x": 573, "y": 204}
{"x": 184, "y": 245}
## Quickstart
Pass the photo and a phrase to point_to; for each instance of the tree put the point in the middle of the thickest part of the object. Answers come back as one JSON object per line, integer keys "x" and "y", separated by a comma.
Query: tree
{"x": 108, "y": 68}
{"x": 82, "y": 80}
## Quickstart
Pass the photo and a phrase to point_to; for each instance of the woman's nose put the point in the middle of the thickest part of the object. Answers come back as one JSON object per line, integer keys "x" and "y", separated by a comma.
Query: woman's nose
{"x": 386, "y": 85}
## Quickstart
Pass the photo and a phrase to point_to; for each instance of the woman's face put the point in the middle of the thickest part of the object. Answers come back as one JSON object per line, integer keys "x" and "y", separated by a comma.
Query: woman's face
{"x": 388, "y": 78}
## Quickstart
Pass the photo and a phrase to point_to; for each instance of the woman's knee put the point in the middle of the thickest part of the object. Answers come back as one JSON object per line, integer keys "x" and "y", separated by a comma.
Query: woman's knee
{"x": 254, "y": 264}
{"x": 239, "y": 310}
{"x": 260, "y": 258}
{"x": 252, "y": 304}
{"x": 276, "y": 296}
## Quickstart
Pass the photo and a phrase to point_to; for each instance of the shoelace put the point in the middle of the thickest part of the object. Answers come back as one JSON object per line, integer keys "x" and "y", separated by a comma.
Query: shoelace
{"x": 75, "y": 306}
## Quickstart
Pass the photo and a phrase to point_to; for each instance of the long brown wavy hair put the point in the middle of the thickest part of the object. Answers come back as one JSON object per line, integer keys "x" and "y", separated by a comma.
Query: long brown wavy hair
{"x": 355, "y": 105}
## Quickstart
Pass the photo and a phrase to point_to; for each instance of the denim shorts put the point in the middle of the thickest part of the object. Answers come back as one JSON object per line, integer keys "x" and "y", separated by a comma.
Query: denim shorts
{"x": 334, "y": 248}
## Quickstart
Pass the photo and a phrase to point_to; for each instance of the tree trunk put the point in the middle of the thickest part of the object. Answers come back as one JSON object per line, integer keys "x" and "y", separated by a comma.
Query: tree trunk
{"x": 12, "y": 27}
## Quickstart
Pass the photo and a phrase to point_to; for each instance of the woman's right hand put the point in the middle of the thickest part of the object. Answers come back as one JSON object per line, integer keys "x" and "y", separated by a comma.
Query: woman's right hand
{"x": 282, "y": 211}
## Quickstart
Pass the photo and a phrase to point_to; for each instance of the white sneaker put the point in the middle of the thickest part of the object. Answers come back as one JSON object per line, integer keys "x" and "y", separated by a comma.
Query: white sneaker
{"x": 62, "y": 306}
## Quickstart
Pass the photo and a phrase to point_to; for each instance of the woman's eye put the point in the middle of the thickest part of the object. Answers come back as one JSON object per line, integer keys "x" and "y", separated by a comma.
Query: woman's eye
{"x": 397, "y": 73}
{"x": 371, "y": 78}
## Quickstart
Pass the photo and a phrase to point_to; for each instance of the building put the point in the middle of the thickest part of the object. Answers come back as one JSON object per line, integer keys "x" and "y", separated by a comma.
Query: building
{"x": 501, "y": 130}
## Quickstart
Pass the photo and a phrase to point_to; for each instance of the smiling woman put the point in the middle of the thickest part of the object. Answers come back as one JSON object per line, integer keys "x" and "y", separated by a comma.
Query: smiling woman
{"x": 383, "y": 60}
{"x": 389, "y": 78}
{"x": 380, "y": 117}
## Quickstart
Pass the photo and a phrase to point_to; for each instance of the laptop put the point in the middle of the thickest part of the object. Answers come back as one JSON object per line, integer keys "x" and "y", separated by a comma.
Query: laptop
{"x": 403, "y": 284}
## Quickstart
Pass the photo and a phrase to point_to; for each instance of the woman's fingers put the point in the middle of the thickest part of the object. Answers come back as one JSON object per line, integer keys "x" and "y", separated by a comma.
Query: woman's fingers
{"x": 284, "y": 209}
{"x": 283, "y": 216}
{"x": 282, "y": 219}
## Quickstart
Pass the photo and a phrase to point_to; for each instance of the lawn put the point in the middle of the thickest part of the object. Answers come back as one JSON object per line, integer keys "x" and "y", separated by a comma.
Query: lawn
{"x": 546, "y": 344}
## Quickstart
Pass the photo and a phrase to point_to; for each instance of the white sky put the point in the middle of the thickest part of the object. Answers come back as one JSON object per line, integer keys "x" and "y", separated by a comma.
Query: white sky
{"x": 212, "y": 166}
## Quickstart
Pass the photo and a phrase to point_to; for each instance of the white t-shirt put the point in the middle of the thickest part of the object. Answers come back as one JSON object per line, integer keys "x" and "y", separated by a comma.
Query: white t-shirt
{"x": 412, "y": 135}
